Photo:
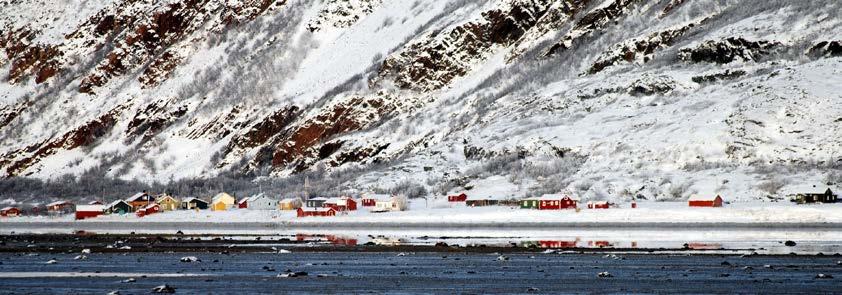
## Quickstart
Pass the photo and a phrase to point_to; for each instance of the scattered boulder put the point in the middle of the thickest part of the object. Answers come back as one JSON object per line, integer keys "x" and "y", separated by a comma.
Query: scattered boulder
{"x": 789, "y": 244}
{"x": 604, "y": 274}
{"x": 725, "y": 263}
{"x": 51, "y": 261}
{"x": 441, "y": 244}
{"x": 165, "y": 289}
{"x": 86, "y": 251}
{"x": 292, "y": 274}
{"x": 502, "y": 258}
{"x": 80, "y": 257}
{"x": 284, "y": 251}
{"x": 190, "y": 259}
{"x": 129, "y": 280}
{"x": 824, "y": 276}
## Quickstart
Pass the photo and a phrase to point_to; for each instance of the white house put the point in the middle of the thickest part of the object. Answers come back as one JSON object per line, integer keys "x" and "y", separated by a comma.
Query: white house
{"x": 261, "y": 202}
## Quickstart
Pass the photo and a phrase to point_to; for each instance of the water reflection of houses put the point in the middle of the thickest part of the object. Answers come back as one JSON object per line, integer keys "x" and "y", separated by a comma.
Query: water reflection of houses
{"x": 332, "y": 239}
{"x": 551, "y": 244}
{"x": 703, "y": 246}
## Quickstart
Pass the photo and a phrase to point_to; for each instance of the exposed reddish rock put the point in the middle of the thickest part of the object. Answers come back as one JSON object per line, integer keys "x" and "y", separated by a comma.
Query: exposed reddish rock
{"x": 160, "y": 69}
{"x": 728, "y": 50}
{"x": 342, "y": 13}
{"x": 29, "y": 59}
{"x": 351, "y": 115}
{"x": 153, "y": 119}
{"x": 83, "y": 135}
{"x": 595, "y": 20}
{"x": 432, "y": 63}
{"x": 264, "y": 130}
{"x": 221, "y": 125}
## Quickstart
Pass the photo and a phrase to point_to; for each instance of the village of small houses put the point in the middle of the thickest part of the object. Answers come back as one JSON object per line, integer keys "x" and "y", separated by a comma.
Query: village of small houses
{"x": 143, "y": 204}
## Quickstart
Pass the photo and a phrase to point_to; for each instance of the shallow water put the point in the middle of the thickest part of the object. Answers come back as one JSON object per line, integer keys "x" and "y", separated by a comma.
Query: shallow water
{"x": 389, "y": 272}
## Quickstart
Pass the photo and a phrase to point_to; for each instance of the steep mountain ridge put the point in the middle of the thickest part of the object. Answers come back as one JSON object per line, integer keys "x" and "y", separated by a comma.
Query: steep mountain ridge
{"x": 607, "y": 99}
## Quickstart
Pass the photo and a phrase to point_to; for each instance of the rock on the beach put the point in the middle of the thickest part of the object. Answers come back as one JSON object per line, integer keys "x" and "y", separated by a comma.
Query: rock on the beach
{"x": 115, "y": 292}
{"x": 129, "y": 280}
{"x": 164, "y": 289}
{"x": 292, "y": 274}
{"x": 502, "y": 258}
{"x": 80, "y": 257}
{"x": 51, "y": 261}
{"x": 190, "y": 259}
{"x": 284, "y": 251}
{"x": 824, "y": 276}
{"x": 86, "y": 251}
{"x": 604, "y": 274}
{"x": 126, "y": 248}
{"x": 789, "y": 243}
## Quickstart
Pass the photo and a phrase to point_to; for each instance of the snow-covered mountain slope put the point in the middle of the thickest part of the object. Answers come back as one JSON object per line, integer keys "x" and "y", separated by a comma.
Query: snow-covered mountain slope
{"x": 604, "y": 98}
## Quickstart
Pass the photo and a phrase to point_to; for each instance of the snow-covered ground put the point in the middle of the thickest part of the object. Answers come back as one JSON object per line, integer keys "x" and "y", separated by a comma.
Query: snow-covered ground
{"x": 438, "y": 214}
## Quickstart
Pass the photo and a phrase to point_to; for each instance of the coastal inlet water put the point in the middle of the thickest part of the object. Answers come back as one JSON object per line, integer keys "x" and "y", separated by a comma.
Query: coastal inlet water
{"x": 421, "y": 272}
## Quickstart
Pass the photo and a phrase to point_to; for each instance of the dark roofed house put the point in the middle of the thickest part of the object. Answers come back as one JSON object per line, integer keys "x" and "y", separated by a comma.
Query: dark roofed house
{"x": 814, "y": 197}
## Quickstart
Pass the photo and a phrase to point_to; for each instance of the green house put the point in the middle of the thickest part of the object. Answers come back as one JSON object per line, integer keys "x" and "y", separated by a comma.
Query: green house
{"x": 529, "y": 203}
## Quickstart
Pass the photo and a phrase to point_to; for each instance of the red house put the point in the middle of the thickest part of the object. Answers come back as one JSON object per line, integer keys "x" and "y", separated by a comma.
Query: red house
{"x": 457, "y": 198}
{"x": 550, "y": 202}
{"x": 148, "y": 209}
{"x": 568, "y": 202}
{"x": 89, "y": 211}
{"x": 557, "y": 244}
{"x": 243, "y": 203}
{"x": 599, "y": 205}
{"x": 371, "y": 200}
{"x": 702, "y": 201}
{"x": 302, "y": 212}
{"x": 10, "y": 212}
{"x": 341, "y": 204}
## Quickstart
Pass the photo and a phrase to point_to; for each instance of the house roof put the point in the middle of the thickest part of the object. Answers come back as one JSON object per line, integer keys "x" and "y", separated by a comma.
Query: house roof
{"x": 702, "y": 197}
{"x": 191, "y": 199}
{"x": 136, "y": 196}
{"x": 94, "y": 203}
{"x": 57, "y": 203}
{"x": 112, "y": 204}
{"x": 318, "y": 199}
{"x": 90, "y": 208}
{"x": 8, "y": 208}
{"x": 221, "y": 195}
{"x": 150, "y": 206}
{"x": 164, "y": 197}
{"x": 807, "y": 189}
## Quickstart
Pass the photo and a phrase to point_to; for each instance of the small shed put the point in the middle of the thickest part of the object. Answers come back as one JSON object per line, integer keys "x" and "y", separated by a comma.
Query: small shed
{"x": 167, "y": 202}
{"x": 704, "y": 201}
{"x": 457, "y": 198}
{"x": 89, "y": 211}
{"x": 305, "y": 212}
{"x": 529, "y": 203}
{"x": 149, "y": 209}
{"x": 222, "y": 201}
{"x": 194, "y": 203}
{"x": 370, "y": 200}
{"x": 140, "y": 200}
{"x": 341, "y": 204}
{"x": 599, "y": 205}
{"x": 261, "y": 202}
{"x": 60, "y": 207}
{"x": 10, "y": 212}
{"x": 316, "y": 202}
{"x": 243, "y": 203}
{"x": 290, "y": 204}
{"x": 118, "y": 207}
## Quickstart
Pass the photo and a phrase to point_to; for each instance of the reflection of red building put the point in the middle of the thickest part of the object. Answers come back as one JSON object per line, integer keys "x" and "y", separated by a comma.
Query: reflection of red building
{"x": 557, "y": 244}
{"x": 600, "y": 244}
{"x": 704, "y": 246}
{"x": 333, "y": 239}
{"x": 10, "y": 212}
{"x": 302, "y": 212}
{"x": 457, "y": 198}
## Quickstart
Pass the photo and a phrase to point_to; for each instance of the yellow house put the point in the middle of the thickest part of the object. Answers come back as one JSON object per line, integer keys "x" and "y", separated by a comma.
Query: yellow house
{"x": 289, "y": 204}
{"x": 222, "y": 202}
{"x": 167, "y": 202}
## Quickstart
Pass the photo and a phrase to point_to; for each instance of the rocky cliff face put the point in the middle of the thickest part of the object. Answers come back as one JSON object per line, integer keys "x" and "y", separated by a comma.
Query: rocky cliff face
{"x": 609, "y": 99}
